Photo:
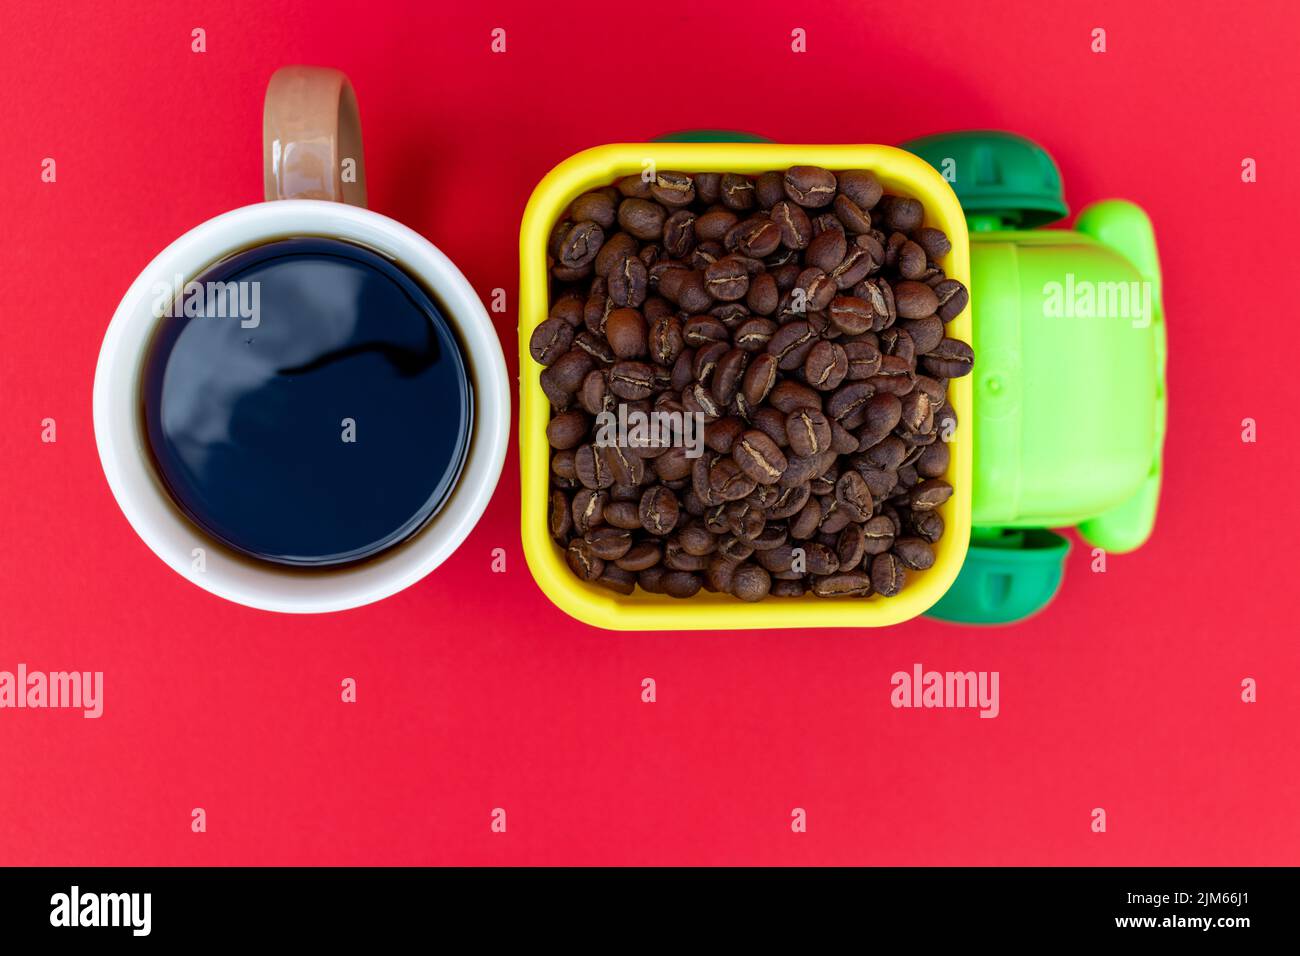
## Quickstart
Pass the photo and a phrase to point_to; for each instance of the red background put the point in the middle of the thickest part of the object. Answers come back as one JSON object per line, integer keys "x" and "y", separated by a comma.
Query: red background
{"x": 475, "y": 692}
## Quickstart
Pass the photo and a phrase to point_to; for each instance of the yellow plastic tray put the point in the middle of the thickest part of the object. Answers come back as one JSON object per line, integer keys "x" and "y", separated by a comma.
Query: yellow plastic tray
{"x": 899, "y": 172}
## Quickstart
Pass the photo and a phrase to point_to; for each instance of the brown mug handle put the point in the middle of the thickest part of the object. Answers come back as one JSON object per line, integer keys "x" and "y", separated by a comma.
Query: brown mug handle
{"x": 311, "y": 137}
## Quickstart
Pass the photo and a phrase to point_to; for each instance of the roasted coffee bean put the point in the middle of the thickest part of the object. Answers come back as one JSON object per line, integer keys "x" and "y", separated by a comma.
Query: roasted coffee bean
{"x": 917, "y": 413}
{"x": 933, "y": 461}
{"x": 673, "y": 189}
{"x": 893, "y": 249}
{"x": 720, "y": 435}
{"x": 580, "y": 245}
{"x": 625, "y": 331}
{"x": 609, "y": 544}
{"x": 877, "y": 535}
{"x": 616, "y": 248}
{"x": 901, "y": 213}
{"x": 851, "y": 315}
{"x": 851, "y": 547}
{"x": 762, "y": 297}
{"x": 933, "y": 241}
{"x": 633, "y": 186}
{"x": 915, "y": 553}
{"x": 914, "y": 300}
{"x": 631, "y": 380}
{"x": 697, "y": 540}
{"x": 568, "y": 308}
{"x": 628, "y": 282}
{"x": 560, "y": 520}
{"x": 887, "y": 575}
{"x": 809, "y": 432}
{"x": 864, "y": 256}
{"x": 681, "y": 584}
{"x": 756, "y": 237}
{"x": 883, "y": 413}
{"x": 826, "y": 366}
{"x": 951, "y": 358}
{"x": 550, "y": 340}
{"x": 705, "y": 361}
{"x": 718, "y": 575}
{"x": 843, "y": 584}
{"x": 861, "y": 186}
{"x": 672, "y": 465}
{"x": 929, "y": 494}
{"x": 827, "y": 250}
{"x": 788, "y": 395}
{"x": 817, "y": 287}
{"x": 952, "y": 296}
{"x": 928, "y": 525}
{"x": 659, "y": 510}
{"x": 791, "y": 343}
{"x": 728, "y": 481}
{"x": 567, "y": 429}
{"x": 854, "y": 219}
{"x": 594, "y": 345}
{"x": 712, "y": 226}
{"x": 592, "y": 466}
{"x": 616, "y": 579}
{"x": 666, "y": 340}
{"x": 737, "y": 192}
{"x": 848, "y": 404}
{"x": 642, "y": 219}
{"x": 820, "y": 560}
{"x": 734, "y": 548}
{"x": 745, "y": 518}
{"x": 628, "y": 468}
{"x": 769, "y": 189}
{"x": 754, "y": 334}
{"x": 895, "y": 376}
{"x": 622, "y": 514}
{"x": 911, "y": 261}
{"x": 759, "y": 457}
{"x": 679, "y": 560}
{"x": 701, "y": 330}
{"x": 708, "y": 187}
{"x": 810, "y": 186}
{"x": 864, "y": 360}
{"x": 793, "y": 223}
{"x": 598, "y": 206}
{"x": 679, "y": 233}
{"x": 727, "y": 377}
{"x": 926, "y": 333}
{"x": 750, "y": 582}
{"x": 567, "y": 372}
{"x": 878, "y": 294}
{"x": 853, "y": 496}
{"x": 640, "y": 556}
{"x": 562, "y": 464}
{"x": 759, "y": 378}
{"x": 583, "y": 561}
{"x": 727, "y": 279}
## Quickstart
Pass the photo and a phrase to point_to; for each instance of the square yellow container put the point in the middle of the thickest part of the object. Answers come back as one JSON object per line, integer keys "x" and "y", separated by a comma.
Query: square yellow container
{"x": 899, "y": 172}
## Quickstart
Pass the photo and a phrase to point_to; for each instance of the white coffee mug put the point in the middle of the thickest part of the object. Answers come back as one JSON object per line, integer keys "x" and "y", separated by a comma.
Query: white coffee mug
{"x": 311, "y": 132}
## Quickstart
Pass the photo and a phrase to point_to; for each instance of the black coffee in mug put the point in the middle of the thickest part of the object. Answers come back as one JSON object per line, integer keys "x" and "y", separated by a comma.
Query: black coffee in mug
{"x": 306, "y": 402}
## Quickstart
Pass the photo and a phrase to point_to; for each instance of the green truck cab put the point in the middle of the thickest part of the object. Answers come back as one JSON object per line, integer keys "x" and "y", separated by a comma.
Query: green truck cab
{"x": 1069, "y": 381}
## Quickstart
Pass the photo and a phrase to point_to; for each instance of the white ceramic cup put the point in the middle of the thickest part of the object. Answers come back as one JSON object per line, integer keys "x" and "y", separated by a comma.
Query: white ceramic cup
{"x": 303, "y": 145}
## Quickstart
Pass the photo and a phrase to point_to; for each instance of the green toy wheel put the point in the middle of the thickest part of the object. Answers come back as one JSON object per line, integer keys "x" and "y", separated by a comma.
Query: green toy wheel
{"x": 1007, "y": 576}
{"x": 1003, "y": 181}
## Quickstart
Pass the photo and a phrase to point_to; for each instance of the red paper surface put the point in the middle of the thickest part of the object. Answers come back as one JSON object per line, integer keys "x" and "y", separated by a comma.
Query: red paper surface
{"x": 474, "y": 693}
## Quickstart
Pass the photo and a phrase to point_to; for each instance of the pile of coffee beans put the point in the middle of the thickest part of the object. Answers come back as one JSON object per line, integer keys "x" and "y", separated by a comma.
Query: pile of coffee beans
{"x": 800, "y": 314}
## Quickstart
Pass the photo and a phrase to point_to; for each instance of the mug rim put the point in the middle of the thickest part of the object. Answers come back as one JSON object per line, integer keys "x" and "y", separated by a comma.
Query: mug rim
{"x": 156, "y": 519}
